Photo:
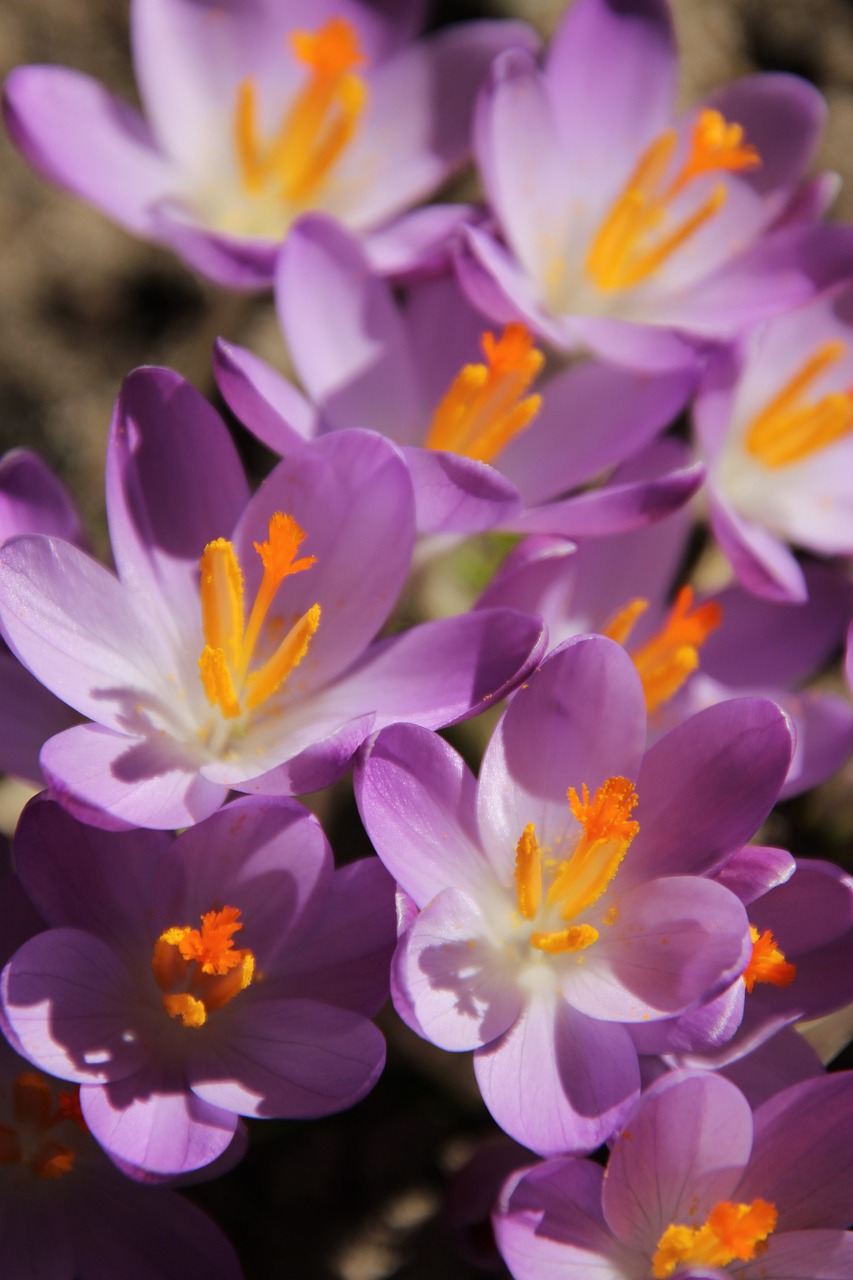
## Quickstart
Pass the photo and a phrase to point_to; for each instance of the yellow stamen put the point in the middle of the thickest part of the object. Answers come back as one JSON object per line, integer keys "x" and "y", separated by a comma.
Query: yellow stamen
{"x": 607, "y": 832}
{"x": 486, "y": 405}
{"x": 634, "y": 240}
{"x": 732, "y": 1232}
{"x": 319, "y": 125}
{"x": 200, "y": 970}
{"x": 528, "y": 873}
{"x": 576, "y": 938}
{"x": 668, "y": 658}
{"x": 227, "y": 656}
{"x": 791, "y": 427}
{"x": 767, "y": 962}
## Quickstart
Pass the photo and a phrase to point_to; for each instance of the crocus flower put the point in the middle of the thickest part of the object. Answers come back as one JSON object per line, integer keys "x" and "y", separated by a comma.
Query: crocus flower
{"x": 774, "y": 418}
{"x": 197, "y": 687}
{"x": 626, "y": 229}
{"x": 186, "y": 981}
{"x": 32, "y": 500}
{"x": 487, "y": 442}
{"x": 548, "y": 915}
{"x": 254, "y": 113}
{"x": 697, "y": 1187}
{"x": 691, "y": 652}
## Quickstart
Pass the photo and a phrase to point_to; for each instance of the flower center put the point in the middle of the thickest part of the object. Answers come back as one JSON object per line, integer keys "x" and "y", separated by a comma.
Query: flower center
{"x": 639, "y": 233}
{"x": 579, "y": 881}
{"x": 200, "y": 970}
{"x": 29, "y": 1139}
{"x": 229, "y": 644}
{"x": 732, "y": 1231}
{"x": 317, "y": 127}
{"x": 792, "y": 427}
{"x": 486, "y": 405}
{"x": 668, "y": 658}
{"x": 767, "y": 962}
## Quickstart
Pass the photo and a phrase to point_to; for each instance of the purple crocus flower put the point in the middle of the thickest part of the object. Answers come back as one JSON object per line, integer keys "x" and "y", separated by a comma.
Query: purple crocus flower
{"x": 488, "y": 444}
{"x": 697, "y": 1187}
{"x": 254, "y": 113}
{"x": 547, "y": 917}
{"x": 625, "y": 229}
{"x": 691, "y": 652}
{"x": 191, "y": 690}
{"x": 186, "y": 981}
{"x": 774, "y": 418}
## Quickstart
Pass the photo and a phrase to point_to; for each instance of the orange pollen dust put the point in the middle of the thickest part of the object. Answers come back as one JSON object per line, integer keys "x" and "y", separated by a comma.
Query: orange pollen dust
{"x": 487, "y": 405}
{"x": 199, "y": 970}
{"x": 30, "y": 1139}
{"x": 229, "y": 644}
{"x": 767, "y": 962}
{"x": 319, "y": 124}
{"x": 638, "y": 234}
{"x": 732, "y": 1232}
{"x": 666, "y": 660}
{"x": 793, "y": 427}
{"x": 579, "y": 881}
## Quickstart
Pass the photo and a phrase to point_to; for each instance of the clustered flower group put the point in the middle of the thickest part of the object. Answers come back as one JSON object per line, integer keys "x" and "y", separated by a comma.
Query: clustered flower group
{"x": 588, "y": 916}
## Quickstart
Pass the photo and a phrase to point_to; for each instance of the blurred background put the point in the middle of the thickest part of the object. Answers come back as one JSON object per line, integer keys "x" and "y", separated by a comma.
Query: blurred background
{"x": 356, "y": 1197}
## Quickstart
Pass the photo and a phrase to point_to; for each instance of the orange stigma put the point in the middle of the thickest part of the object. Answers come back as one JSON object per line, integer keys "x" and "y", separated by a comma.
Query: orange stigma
{"x": 199, "y": 970}
{"x": 767, "y": 962}
{"x": 486, "y": 405}
{"x": 30, "y": 1140}
{"x": 668, "y": 658}
{"x": 229, "y": 645}
{"x": 319, "y": 125}
{"x": 732, "y": 1232}
{"x": 792, "y": 427}
{"x": 579, "y": 881}
{"x": 638, "y": 234}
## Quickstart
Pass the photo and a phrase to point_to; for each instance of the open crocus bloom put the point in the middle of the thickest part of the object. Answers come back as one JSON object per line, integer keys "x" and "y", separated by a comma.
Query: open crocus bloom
{"x": 691, "y": 653}
{"x": 627, "y": 230}
{"x": 562, "y": 900}
{"x": 227, "y": 654}
{"x": 186, "y": 981}
{"x": 697, "y": 1187}
{"x": 255, "y": 113}
{"x": 774, "y": 419}
{"x": 489, "y": 443}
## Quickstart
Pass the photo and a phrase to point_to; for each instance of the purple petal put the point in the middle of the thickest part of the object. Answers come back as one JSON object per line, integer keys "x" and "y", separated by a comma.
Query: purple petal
{"x": 419, "y": 243}
{"x": 29, "y": 715}
{"x": 86, "y": 140}
{"x": 707, "y": 786}
{"x": 454, "y": 494}
{"x": 753, "y": 870}
{"x": 801, "y": 1153}
{"x": 462, "y": 989}
{"x": 771, "y": 108}
{"x": 761, "y": 562}
{"x": 579, "y": 719}
{"x": 114, "y": 780}
{"x": 293, "y": 1058}
{"x": 34, "y": 500}
{"x": 802, "y": 1255}
{"x": 73, "y": 1007}
{"x": 346, "y": 333}
{"x": 417, "y": 799}
{"x": 155, "y": 1123}
{"x": 824, "y": 728}
{"x": 675, "y": 942}
{"x": 265, "y": 402}
{"x": 681, "y": 1152}
{"x": 231, "y": 261}
{"x": 559, "y": 1081}
{"x": 786, "y": 1059}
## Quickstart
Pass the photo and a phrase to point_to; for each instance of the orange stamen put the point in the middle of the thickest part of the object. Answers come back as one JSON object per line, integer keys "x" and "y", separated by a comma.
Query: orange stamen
{"x": 200, "y": 970}
{"x": 229, "y": 649}
{"x": 528, "y": 873}
{"x": 767, "y": 962}
{"x": 791, "y": 427}
{"x": 607, "y": 832}
{"x": 732, "y": 1232}
{"x": 666, "y": 660}
{"x": 486, "y": 405}
{"x": 635, "y": 240}
{"x": 319, "y": 125}
{"x": 212, "y": 946}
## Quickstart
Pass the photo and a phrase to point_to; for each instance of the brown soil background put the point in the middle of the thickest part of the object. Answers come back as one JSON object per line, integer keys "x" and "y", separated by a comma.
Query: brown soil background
{"x": 357, "y": 1197}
